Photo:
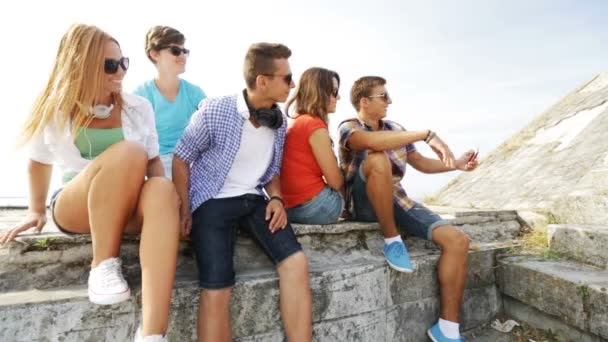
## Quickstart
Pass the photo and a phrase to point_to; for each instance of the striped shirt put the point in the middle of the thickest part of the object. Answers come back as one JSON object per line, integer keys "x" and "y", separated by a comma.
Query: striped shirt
{"x": 211, "y": 141}
{"x": 350, "y": 161}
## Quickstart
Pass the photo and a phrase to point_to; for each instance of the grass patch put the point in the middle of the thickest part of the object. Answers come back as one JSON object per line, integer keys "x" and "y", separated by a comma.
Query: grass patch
{"x": 536, "y": 242}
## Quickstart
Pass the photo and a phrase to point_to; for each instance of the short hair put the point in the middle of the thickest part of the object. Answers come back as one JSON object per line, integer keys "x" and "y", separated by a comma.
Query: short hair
{"x": 259, "y": 60}
{"x": 159, "y": 37}
{"x": 363, "y": 88}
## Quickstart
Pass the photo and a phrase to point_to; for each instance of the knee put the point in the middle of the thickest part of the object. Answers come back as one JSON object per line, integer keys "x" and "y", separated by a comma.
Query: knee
{"x": 159, "y": 191}
{"x": 216, "y": 298}
{"x": 377, "y": 162}
{"x": 130, "y": 156}
{"x": 460, "y": 242}
{"x": 295, "y": 267}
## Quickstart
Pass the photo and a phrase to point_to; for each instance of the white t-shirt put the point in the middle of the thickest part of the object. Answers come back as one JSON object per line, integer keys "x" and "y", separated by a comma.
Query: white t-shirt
{"x": 251, "y": 161}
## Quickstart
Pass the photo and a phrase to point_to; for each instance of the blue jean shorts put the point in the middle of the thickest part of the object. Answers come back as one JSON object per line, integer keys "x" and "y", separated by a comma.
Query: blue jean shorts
{"x": 215, "y": 224}
{"x": 325, "y": 208}
{"x": 417, "y": 221}
{"x": 52, "y": 207}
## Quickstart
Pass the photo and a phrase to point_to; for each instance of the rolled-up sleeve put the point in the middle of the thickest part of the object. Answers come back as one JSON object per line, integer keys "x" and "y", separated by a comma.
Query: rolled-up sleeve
{"x": 195, "y": 138}
{"x": 152, "y": 147}
{"x": 39, "y": 151}
{"x": 346, "y": 130}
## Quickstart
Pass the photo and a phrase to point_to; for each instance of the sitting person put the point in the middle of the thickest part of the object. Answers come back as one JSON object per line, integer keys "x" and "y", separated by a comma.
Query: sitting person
{"x": 228, "y": 156}
{"x": 374, "y": 153}
{"x": 173, "y": 99}
{"x": 105, "y": 142}
{"x": 311, "y": 180}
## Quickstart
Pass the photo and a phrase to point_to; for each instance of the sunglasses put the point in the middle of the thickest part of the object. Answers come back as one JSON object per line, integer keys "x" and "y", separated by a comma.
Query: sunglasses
{"x": 110, "y": 66}
{"x": 384, "y": 96}
{"x": 334, "y": 92}
{"x": 176, "y": 50}
{"x": 288, "y": 78}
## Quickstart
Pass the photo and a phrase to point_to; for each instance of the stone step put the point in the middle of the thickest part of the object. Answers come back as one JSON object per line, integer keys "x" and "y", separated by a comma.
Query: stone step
{"x": 53, "y": 259}
{"x": 573, "y": 293}
{"x": 584, "y": 243}
{"x": 355, "y": 301}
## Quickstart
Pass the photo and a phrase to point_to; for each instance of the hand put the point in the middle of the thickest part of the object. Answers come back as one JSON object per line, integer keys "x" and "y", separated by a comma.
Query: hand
{"x": 443, "y": 151}
{"x": 467, "y": 162}
{"x": 185, "y": 224}
{"x": 32, "y": 220}
{"x": 275, "y": 212}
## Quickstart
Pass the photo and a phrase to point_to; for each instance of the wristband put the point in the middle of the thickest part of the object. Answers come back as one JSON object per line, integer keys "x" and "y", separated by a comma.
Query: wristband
{"x": 278, "y": 198}
{"x": 430, "y": 137}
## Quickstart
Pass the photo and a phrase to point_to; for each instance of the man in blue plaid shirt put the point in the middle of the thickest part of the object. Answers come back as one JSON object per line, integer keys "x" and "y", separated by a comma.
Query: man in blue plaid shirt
{"x": 226, "y": 171}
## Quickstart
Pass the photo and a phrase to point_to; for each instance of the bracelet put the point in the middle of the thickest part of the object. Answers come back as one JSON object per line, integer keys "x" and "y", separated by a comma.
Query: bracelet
{"x": 430, "y": 137}
{"x": 278, "y": 198}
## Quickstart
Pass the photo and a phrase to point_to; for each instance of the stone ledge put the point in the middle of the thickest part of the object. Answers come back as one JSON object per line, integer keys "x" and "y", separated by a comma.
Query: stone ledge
{"x": 584, "y": 243}
{"x": 574, "y": 293}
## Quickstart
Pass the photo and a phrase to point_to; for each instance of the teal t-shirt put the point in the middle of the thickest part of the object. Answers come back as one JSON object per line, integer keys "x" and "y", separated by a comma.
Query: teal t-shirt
{"x": 171, "y": 117}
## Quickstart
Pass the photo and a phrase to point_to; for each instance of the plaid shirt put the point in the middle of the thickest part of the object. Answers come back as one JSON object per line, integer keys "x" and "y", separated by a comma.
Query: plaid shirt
{"x": 210, "y": 143}
{"x": 350, "y": 161}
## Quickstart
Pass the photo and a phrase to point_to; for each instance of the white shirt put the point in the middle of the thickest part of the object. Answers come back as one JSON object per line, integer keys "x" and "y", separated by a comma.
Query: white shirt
{"x": 53, "y": 146}
{"x": 251, "y": 160}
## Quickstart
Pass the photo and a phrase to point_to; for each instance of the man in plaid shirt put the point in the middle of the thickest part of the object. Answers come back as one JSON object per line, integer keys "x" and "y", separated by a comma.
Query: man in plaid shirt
{"x": 374, "y": 153}
{"x": 226, "y": 172}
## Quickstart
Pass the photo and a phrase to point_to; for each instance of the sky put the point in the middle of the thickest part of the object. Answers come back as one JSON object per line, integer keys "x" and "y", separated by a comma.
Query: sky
{"x": 475, "y": 72}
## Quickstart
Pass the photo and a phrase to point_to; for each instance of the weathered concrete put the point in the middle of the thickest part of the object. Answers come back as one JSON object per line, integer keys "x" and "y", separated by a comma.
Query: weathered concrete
{"x": 558, "y": 163}
{"x": 585, "y": 243}
{"x": 540, "y": 320}
{"x": 577, "y": 294}
{"x": 359, "y": 300}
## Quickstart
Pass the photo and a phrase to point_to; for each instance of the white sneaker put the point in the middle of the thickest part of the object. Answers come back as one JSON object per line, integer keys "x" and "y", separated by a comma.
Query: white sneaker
{"x": 106, "y": 283}
{"x": 149, "y": 338}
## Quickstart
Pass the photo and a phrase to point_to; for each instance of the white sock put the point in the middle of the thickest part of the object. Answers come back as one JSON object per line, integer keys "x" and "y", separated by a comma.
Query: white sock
{"x": 388, "y": 241}
{"x": 449, "y": 329}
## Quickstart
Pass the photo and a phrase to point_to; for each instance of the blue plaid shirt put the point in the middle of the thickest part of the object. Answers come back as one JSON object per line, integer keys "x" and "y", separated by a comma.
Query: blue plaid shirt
{"x": 210, "y": 143}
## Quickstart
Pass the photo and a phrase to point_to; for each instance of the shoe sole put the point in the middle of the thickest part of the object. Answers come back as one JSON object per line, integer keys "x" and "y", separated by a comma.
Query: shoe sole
{"x": 397, "y": 268}
{"x": 109, "y": 299}
{"x": 428, "y": 332}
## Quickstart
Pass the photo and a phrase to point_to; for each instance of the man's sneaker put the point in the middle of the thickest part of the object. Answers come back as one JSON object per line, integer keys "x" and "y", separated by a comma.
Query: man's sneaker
{"x": 149, "y": 338}
{"x": 437, "y": 336}
{"x": 106, "y": 283}
{"x": 397, "y": 257}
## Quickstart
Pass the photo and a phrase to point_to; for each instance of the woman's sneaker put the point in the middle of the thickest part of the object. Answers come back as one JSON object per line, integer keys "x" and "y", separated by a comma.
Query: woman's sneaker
{"x": 106, "y": 283}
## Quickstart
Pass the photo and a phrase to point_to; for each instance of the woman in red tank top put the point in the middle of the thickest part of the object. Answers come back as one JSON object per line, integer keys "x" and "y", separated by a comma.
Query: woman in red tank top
{"x": 311, "y": 181}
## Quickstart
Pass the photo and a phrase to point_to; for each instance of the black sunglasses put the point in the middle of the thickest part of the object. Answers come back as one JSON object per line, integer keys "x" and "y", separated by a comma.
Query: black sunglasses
{"x": 110, "y": 66}
{"x": 334, "y": 92}
{"x": 384, "y": 96}
{"x": 288, "y": 78}
{"x": 175, "y": 50}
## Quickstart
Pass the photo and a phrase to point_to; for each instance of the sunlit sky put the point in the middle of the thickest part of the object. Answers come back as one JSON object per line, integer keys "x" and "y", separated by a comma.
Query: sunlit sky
{"x": 475, "y": 72}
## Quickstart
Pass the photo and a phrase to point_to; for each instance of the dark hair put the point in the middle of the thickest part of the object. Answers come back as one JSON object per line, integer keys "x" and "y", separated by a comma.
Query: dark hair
{"x": 259, "y": 60}
{"x": 363, "y": 88}
{"x": 162, "y": 36}
{"x": 313, "y": 93}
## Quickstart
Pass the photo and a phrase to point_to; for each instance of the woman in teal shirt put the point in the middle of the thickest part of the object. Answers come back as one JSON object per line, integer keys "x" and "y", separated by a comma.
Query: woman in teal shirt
{"x": 173, "y": 99}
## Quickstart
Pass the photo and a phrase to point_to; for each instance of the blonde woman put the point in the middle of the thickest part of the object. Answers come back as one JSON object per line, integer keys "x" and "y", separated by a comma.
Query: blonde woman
{"x": 106, "y": 144}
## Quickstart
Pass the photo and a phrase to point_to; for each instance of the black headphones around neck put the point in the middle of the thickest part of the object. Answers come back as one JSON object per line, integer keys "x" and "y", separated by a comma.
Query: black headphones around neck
{"x": 269, "y": 117}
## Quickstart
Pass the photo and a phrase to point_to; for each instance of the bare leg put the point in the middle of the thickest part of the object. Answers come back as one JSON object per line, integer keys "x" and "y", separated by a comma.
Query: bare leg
{"x": 214, "y": 316}
{"x": 377, "y": 171}
{"x": 452, "y": 269}
{"x": 102, "y": 198}
{"x": 296, "y": 299}
{"x": 158, "y": 210}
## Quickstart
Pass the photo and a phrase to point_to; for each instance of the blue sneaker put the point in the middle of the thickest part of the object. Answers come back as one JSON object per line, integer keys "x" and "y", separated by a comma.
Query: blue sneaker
{"x": 437, "y": 336}
{"x": 397, "y": 257}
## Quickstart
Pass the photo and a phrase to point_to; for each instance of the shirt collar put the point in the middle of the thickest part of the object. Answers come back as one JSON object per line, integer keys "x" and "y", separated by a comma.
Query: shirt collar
{"x": 382, "y": 125}
{"x": 241, "y": 105}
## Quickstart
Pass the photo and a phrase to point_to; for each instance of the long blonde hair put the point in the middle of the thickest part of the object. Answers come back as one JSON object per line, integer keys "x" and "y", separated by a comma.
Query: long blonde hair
{"x": 75, "y": 81}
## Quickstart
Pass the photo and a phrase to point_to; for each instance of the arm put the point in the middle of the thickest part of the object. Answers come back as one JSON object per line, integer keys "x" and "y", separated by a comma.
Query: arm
{"x": 426, "y": 165}
{"x": 275, "y": 211}
{"x": 181, "y": 179}
{"x": 39, "y": 176}
{"x": 321, "y": 148}
{"x": 155, "y": 168}
{"x": 384, "y": 140}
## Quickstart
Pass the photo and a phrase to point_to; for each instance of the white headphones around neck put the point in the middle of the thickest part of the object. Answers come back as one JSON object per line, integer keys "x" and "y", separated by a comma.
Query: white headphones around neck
{"x": 101, "y": 111}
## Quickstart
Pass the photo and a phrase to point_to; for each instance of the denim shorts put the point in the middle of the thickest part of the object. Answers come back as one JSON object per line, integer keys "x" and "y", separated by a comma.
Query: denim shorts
{"x": 325, "y": 208}
{"x": 417, "y": 221}
{"x": 52, "y": 206}
{"x": 215, "y": 224}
